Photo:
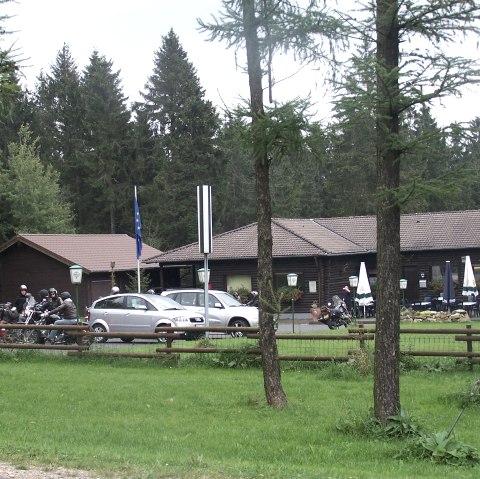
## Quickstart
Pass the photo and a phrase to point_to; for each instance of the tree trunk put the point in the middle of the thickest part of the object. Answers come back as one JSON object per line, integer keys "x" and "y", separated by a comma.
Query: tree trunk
{"x": 271, "y": 366}
{"x": 387, "y": 338}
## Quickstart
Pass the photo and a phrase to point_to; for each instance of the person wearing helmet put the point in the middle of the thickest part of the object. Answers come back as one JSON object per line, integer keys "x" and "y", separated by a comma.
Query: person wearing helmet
{"x": 21, "y": 301}
{"x": 43, "y": 302}
{"x": 43, "y": 293}
{"x": 66, "y": 314}
{"x": 115, "y": 290}
{"x": 150, "y": 291}
{"x": 54, "y": 301}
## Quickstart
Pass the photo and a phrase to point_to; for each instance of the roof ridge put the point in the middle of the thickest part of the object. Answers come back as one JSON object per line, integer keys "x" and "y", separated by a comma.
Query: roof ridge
{"x": 343, "y": 236}
{"x": 189, "y": 245}
{"x": 298, "y": 235}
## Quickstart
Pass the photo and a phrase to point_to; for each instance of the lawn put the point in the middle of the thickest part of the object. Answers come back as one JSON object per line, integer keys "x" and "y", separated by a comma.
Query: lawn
{"x": 148, "y": 419}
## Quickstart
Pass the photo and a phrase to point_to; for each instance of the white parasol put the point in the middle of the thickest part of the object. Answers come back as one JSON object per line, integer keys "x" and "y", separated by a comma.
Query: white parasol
{"x": 469, "y": 283}
{"x": 363, "y": 297}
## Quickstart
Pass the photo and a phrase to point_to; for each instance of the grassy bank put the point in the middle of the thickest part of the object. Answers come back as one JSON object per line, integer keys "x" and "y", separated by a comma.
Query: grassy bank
{"x": 138, "y": 419}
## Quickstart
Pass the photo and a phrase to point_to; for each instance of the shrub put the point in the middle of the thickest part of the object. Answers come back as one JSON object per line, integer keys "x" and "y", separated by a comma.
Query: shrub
{"x": 362, "y": 361}
{"x": 442, "y": 449}
{"x": 285, "y": 293}
{"x": 238, "y": 359}
{"x": 402, "y": 425}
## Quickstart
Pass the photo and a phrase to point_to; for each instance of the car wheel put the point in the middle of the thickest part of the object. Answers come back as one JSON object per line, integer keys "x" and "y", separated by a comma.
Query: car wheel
{"x": 238, "y": 323}
{"x": 127, "y": 340}
{"x": 162, "y": 340}
{"x": 98, "y": 328}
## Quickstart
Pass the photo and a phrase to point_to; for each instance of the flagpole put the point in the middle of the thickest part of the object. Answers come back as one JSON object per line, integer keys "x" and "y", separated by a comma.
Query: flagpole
{"x": 138, "y": 236}
{"x": 138, "y": 275}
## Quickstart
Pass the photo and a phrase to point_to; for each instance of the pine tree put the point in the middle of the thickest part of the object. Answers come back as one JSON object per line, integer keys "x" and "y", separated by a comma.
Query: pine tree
{"x": 32, "y": 192}
{"x": 185, "y": 127}
{"x": 105, "y": 202}
{"x": 58, "y": 122}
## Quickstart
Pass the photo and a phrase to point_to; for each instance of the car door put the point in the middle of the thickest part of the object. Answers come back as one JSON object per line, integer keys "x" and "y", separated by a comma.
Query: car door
{"x": 217, "y": 315}
{"x": 110, "y": 310}
{"x": 140, "y": 316}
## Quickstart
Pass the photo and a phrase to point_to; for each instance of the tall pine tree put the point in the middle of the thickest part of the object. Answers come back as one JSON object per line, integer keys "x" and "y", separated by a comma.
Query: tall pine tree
{"x": 105, "y": 205}
{"x": 185, "y": 127}
{"x": 59, "y": 125}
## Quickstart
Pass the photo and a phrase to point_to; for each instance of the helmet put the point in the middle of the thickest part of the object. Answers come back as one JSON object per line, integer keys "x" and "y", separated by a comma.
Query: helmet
{"x": 115, "y": 290}
{"x": 150, "y": 291}
{"x": 43, "y": 293}
{"x": 65, "y": 295}
{"x": 52, "y": 290}
{"x": 22, "y": 286}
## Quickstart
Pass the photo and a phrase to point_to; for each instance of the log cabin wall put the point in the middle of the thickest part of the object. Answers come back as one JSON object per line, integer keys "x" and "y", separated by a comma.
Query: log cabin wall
{"x": 322, "y": 277}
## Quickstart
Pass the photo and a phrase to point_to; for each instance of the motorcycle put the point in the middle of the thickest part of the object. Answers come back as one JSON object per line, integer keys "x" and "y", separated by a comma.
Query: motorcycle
{"x": 335, "y": 314}
{"x": 9, "y": 315}
{"x": 252, "y": 299}
{"x": 33, "y": 315}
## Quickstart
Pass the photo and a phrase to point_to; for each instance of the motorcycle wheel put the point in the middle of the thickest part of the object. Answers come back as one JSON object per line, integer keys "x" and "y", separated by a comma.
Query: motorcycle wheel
{"x": 32, "y": 336}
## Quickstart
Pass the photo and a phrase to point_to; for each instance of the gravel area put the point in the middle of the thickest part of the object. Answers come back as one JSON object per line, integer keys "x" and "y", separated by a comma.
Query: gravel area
{"x": 7, "y": 471}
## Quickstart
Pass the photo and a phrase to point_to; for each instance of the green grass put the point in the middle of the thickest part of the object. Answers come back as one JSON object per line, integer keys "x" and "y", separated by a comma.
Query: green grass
{"x": 145, "y": 419}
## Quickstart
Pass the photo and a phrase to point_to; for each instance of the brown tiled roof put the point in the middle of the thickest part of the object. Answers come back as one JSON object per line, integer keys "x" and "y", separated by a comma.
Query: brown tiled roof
{"x": 94, "y": 252}
{"x": 339, "y": 236}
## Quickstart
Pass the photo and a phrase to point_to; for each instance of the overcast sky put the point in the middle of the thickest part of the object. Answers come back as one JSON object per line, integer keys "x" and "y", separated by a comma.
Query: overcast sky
{"x": 129, "y": 32}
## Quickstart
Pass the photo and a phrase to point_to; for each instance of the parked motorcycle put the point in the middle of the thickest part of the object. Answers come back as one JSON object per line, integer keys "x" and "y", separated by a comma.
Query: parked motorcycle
{"x": 252, "y": 299}
{"x": 335, "y": 314}
{"x": 33, "y": 315}
{"x": 9, "y": 315}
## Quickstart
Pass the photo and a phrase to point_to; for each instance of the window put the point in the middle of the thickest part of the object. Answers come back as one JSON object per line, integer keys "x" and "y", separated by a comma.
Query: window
{"x": 438, "y": 272}
{"x": 476, "y": 271}
{"x": 134, "y": 302}
{"x": 186, "y": 299}
{"x": 110, "y": 303}
{"x": 239, "y": 282}
{"x": 201, "y": 302}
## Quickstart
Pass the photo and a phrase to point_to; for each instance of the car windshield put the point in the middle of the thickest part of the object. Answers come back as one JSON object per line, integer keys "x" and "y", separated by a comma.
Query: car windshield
{"x": 228, "y": 299}
{"x": 163, "y": 302}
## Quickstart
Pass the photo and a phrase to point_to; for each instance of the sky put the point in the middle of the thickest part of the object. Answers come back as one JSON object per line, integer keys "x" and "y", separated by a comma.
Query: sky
{"x": 129, "y": 33}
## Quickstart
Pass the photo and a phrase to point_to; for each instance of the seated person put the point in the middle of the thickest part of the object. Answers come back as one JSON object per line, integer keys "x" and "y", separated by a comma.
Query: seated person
{"x": 67, "y": 315}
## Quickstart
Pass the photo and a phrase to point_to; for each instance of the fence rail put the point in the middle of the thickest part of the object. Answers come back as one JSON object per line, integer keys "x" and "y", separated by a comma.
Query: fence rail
{"x": 462, "y": 343}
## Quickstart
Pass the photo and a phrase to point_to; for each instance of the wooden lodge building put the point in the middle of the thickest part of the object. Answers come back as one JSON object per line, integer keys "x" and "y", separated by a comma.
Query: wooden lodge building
{"x": 42, "y": 261}
{"x": 325, "y": 252}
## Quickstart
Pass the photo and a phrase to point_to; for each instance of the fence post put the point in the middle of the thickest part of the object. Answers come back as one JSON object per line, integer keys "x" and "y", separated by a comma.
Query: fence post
{"x": 362, "y": 341}
{"x": 469, "y": 348}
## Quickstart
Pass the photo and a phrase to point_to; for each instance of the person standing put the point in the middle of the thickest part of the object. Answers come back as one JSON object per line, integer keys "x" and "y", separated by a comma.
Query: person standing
{"x": 21, "y": 300}
{"x": 347, "y": 297}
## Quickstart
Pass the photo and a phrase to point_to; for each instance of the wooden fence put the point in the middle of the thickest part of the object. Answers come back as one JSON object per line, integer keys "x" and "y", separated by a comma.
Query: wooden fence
{"x": 461, "y": 342}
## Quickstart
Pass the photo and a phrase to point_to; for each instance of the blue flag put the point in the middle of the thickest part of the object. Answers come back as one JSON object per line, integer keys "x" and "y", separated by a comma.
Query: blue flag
{"x": 138, "y": 227}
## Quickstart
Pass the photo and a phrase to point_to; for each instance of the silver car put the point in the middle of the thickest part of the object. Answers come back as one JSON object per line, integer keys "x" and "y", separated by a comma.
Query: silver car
{"x": 223, "y": 308}
{"x": 139, "y": 313}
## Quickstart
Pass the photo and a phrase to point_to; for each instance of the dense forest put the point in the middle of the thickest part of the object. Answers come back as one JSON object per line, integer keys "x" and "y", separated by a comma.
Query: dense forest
{"x": 73, "y": 149}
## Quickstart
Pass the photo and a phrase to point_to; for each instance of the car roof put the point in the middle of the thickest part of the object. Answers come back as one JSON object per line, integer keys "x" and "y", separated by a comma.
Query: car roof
{"x": 153, "y": 298}
{"x": 187, "y": 290}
